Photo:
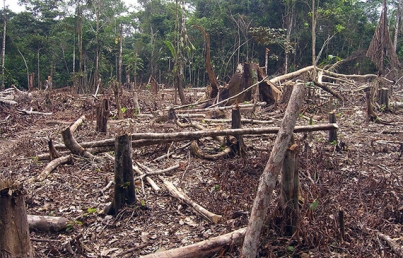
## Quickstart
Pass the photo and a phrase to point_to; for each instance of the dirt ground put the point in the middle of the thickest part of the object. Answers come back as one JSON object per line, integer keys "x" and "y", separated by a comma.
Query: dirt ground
{"x": 361, "y": 175}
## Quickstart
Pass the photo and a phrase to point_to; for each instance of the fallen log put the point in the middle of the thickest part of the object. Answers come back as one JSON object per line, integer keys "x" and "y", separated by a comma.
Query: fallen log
{"x": 50, "y": 167}
{"x": 212, "y": 133}
{"x": 292, "y": 75}
{"x": 146, "y": 139}
{"x": 206, "y": 248}
{"x": 47, "y": 223}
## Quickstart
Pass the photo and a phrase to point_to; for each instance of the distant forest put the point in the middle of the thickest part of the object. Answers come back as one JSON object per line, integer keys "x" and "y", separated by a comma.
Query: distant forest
{"x": 82, "y": 42}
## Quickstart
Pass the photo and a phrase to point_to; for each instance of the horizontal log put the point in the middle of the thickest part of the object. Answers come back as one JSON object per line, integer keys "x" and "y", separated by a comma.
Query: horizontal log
{"x": 205, "y": 248}
{"x": 213, "y": 133}
{"x": 47, "y": 223}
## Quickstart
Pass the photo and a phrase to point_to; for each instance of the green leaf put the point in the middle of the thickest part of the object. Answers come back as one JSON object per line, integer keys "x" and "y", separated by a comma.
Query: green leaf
{"x": 314, "y": 205}
{"x": 92, "y": 210}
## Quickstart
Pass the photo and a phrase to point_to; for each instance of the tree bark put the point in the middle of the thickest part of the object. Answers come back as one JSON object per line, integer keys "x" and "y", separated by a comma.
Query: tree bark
{"x": 289, "y": 206}
{"x": 273, "y": 167}
{"x": 240, "y": 146}
{"x": 47, "y": 223}
{"x": 14, "y": 230}
{"x": 205, "y": 248}
{"x": 124, "y": 179}
{"x": 102, "y": 116}
{"x": 3, "y": 49}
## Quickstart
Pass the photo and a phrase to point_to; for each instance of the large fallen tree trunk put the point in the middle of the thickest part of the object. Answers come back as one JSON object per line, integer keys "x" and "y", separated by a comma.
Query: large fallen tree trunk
{"x": 206, "y": 248}
{"x": 270, "y": 174}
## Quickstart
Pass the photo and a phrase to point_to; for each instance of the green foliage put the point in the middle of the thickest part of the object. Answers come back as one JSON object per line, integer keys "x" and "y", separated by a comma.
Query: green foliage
{"x": 314, "y": 205}
{"x": 47, "y": 38}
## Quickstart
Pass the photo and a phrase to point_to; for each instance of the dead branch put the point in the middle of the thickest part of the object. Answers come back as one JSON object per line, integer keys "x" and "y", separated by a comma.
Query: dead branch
{"x": 77, "y": 123}
{"x": 136, "y": 168}
{"x": 393, "y": 245}
{"x": 73, "y": 145}
{"x": 170, "y": 153}
{"x": 206, "y": 248}
{"x": 158, "y": 172}
{"x": 243, "y": 120}
{"x": 31, "y": 112}
{"x": 289, "y": 76}
{"x": 325, "y": 88}
{"x": 50, "y": 167}
{"x": 8, "y": 102}
{"x": 240, "y": 93}
{"x": 184, "y": 198}
{"x": 200, "y": 154}
{"x": 241, "y": 106}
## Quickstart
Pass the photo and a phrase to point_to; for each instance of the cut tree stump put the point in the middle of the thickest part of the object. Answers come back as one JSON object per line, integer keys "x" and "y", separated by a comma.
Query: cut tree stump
{"x": 124, "y": 180}
{"x": 14, "y": 230}
{"x": 240, "y": 146}
{"x": 289, "y": 207}
{"x": 332, "y": 133}
{"x": 102, "y": 116}
{"x": 384, "y": 99}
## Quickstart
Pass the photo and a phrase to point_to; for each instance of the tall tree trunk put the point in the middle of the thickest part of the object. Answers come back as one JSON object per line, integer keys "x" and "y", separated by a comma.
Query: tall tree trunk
{"x": 120, "y": 55}
{"x": 289, "y": 25}
{"x": 80, "y": 45}
{"x": 3, "y": 50}
{"x": 397, "y": 23}
{"x": 313, "y": 31}
{"x": 96, "y": 74}
{"x": 39, "y": 70}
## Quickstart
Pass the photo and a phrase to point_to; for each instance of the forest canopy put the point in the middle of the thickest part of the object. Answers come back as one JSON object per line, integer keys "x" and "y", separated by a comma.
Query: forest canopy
{"x": 79, "y": 42}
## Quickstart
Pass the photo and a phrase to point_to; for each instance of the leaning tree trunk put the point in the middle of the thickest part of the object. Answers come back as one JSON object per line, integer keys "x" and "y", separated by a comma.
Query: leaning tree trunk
{"x": 273, "y": 167}
{"x": 14, "y": 230}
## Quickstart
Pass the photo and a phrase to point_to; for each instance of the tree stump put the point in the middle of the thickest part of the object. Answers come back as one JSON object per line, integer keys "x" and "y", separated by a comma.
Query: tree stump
{"x": 384, "y": 99}
{"x": 332, "y": 133}
{"x": 370, "y": 111}
{"x": 124, "y": 180}
{"x": 14, "y": 230}
{"x": 289, "y": 191}
{"x": 240, "y": 147}
{"x": 102, "y": 116}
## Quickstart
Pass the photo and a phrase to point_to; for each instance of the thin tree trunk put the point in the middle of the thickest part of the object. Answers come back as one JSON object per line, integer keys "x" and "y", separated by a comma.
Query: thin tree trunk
{"x": 3, "y": 50}
{"x": 273, "y": 167}
{"x": 120, "y": 55}
{"x": 96, "y": 74}
{"x": 313, "y": 34}
{"x": 397, "y": 23}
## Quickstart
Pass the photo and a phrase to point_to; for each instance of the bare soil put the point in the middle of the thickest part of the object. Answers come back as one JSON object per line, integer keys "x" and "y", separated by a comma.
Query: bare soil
{"x": 361, "y": 174}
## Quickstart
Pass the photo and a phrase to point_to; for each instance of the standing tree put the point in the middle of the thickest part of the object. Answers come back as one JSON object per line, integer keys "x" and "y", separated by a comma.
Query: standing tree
{"x": 3, "y": 49}
{"x": 381, "y": 44}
